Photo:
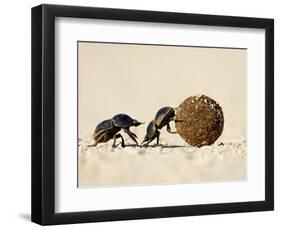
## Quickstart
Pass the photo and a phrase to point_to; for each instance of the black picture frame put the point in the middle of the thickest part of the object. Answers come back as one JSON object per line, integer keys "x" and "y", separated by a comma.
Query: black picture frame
{"x": 43, "y": 114}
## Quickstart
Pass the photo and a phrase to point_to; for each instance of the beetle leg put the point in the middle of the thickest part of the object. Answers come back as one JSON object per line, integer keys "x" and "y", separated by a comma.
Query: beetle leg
{"x": 131, "y": 135}
{"x": 145, "y": 139}
{"x": 93, "y": 145}
{"x": 169, "y": 129}
{"x": 96, "y": 142}
{"x": 114, "y": 141}
{"x": 118, "y": 136}
{"x": 148, "y": 141}
{"x": 157, "y": 137}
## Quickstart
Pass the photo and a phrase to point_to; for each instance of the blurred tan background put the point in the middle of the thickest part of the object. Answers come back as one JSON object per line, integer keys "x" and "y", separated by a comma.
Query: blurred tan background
{"x": 140, "y": 79}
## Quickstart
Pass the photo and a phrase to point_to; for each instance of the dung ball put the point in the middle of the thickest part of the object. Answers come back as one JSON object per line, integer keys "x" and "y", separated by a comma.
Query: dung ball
{"x": 199, "y": 120}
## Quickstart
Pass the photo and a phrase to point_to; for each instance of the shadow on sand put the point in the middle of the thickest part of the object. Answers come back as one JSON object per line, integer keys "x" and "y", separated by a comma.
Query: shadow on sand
{"x": 156, "y": 146}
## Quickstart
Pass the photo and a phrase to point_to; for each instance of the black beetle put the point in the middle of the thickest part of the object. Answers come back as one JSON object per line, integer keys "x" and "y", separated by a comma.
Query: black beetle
{"x": 162, "y": 118}
{"x": 109, "y": 129}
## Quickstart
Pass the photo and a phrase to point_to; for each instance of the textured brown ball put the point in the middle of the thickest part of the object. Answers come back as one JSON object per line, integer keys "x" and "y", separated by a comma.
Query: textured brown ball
{"x": 199, "y": 120}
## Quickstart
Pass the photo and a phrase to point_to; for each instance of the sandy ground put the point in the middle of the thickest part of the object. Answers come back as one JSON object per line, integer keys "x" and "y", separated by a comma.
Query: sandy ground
{"x": 140, "y": 79}
{"x": 164, "y": 164}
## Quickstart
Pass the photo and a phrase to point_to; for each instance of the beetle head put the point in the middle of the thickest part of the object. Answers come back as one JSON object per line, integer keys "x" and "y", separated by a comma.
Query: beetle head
{"x": 137, "y": 123}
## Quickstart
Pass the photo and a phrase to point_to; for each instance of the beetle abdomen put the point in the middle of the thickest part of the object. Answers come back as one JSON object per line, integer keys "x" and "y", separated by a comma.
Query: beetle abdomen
{"x": 103, "y": 127}
{"x": 151, "y": 130}
{"x": 163, "y": 116}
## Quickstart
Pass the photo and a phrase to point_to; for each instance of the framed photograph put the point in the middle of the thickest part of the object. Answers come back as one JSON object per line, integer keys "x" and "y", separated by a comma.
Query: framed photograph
{"x": 143, "y": 114}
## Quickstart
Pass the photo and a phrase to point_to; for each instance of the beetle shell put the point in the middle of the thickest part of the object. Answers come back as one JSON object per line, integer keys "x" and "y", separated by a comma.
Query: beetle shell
{"x": 122, "y": 121}
{"x": 105, "y": 131}
{"x": 103, "y": 127}
{"x": 151, "y": 130}
{"x": 163, "y": 116}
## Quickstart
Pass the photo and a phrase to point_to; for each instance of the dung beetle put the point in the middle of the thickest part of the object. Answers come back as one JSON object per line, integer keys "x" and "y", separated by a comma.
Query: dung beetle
{"x": 162, "y": 118}
{"x": 109, "y": 129}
